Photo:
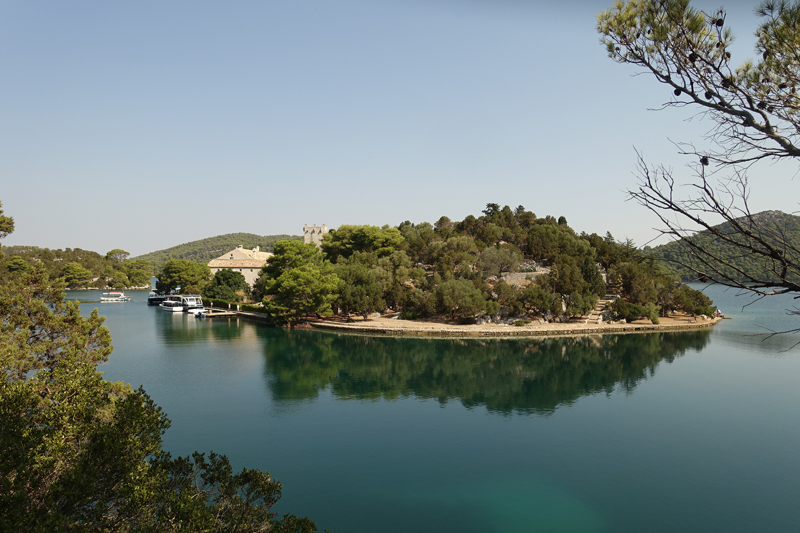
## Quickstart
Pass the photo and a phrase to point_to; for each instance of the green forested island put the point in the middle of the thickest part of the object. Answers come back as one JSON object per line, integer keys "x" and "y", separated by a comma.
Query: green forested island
{"x": 504, "y": 264}
{"x": 775, "y": 227}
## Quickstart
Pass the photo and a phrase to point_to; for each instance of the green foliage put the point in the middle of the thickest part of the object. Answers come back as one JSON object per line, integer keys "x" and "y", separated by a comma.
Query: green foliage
{"x": 491, "y": 307}
{"x": 359, "y": 292}
{"x": 628, "y": 311}
{"x": 17, "y": 264}
{"x": 548, "y": 241}
{"x": 138, "y": 272}
{"x": 112, "y": 277}
{"x": 693, "y": 301}
{"x": 346, "y": 240}
{"x": 638, "y": 281}
{"x": 498, "y": 259}
{"x": 117, "y": 255}
{"x": 565, "y": 276}
{"x": 631, "y": 312}
{"x": 217, "y": 302}
{"x": 75, "y": 275}
{"x": 205, "y": 250}
{"x": 459, "y": 297}
{"x": 651, "y": 311}
{"x": 420, "y": 304}
{"x": 443, "y": 228}
{"x": 191, "y": 277}
{"x": 391, "y": 275}
{"x": 418, "y": 236}
{"x": 409, "y": 313}
{"x": 489, "y": 234}
{"x": 607, "y": 251}
{"x": 227, "y": 285}
{"x": 59, "y": 330}
{"x": 537, "y": 299}
{"x": 297, "y": 282}
{"x": 453, "y": 256}
{"x": 509, "y": 298}
{"x": 6, "y": 224}
{"x": 579, "y": 304}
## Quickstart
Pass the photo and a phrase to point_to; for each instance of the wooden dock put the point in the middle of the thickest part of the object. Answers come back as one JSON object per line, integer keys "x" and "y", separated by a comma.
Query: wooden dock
{"x": 213, "y": 313}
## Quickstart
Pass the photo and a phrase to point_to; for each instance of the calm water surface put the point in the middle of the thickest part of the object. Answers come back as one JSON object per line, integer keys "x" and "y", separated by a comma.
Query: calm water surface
{"x": 694, "y": 431}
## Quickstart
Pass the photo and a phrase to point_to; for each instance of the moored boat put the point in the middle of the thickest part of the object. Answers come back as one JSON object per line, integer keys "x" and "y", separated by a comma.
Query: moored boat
{"x": 179, "y": 303}
{"x": 172, "y": 304}
{"x": 155, "y": 298}
{"x": 114, "y": 297}
{"x": 191, "y": 302}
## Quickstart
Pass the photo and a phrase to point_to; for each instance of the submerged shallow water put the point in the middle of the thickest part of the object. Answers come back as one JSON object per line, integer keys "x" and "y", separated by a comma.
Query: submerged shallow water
{"x": 691, "y": 431}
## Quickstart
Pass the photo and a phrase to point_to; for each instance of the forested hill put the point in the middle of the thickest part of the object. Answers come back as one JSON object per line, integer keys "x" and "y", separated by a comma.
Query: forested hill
{"x": 779, "y": 225}
{"x": 207, "y": 249}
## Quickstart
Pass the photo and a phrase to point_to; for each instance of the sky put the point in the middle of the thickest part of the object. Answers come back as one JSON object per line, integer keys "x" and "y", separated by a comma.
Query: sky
{"x": 144, "y": 125}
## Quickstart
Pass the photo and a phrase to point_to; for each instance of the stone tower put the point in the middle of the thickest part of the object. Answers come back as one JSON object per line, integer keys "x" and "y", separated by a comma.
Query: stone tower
{"x": 314, "y": 233}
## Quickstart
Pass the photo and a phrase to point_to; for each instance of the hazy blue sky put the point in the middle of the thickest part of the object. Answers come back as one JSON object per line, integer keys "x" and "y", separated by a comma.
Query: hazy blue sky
{"x": 142, "y": 125}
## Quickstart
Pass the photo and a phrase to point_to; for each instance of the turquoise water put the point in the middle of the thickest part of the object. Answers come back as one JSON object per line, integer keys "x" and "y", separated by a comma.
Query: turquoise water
{"x": 692, "y": 431}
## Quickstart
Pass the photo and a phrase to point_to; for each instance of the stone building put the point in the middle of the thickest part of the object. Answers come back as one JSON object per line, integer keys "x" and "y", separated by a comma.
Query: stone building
{"x": 247, "y": 262}
{"x": 314, "y": 233}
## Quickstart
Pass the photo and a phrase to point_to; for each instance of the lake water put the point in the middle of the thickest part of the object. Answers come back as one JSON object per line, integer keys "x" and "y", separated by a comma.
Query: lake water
{"x": 692, "y": 431}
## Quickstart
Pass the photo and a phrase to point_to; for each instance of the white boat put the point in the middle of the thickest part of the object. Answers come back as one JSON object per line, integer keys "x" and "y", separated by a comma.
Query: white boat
{"x": 182, "y": 303}
{"x": 172, "y": 304}
{"x": 114, "y": 297}
{"x": 192, "y": 302}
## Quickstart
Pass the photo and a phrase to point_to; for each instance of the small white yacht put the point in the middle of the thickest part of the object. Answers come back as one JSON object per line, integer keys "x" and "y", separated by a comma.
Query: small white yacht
{"x": 178, "y": 303}
{"x": 172, "y": 304}
{"x": 192, "y": 302}
{"x": 114, "y": 297}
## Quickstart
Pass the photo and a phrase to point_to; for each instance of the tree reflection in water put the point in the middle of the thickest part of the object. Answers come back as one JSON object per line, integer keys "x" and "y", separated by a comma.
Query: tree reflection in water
{"x": 180, "y": 328}
{"x": 504, "y": 375}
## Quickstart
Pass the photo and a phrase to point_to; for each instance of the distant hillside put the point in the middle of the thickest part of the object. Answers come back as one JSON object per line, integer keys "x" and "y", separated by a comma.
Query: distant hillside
{"x": 779, "y": 225}
{"x": 205, "y": 250}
